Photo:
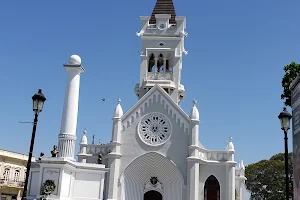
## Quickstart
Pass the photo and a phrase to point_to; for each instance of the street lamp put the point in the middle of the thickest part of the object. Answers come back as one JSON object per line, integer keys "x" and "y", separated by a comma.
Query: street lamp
{"x": 285, "y": 118}
{"x": 38, "y": 102}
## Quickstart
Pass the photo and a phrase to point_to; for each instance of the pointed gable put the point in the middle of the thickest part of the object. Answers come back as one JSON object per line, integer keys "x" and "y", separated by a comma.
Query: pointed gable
{"x": 163, "y": 7}
{"x": 156, "y": 94}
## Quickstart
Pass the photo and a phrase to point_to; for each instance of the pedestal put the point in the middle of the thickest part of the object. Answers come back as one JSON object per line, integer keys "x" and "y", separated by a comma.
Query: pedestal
{"x": 73, "y": 180}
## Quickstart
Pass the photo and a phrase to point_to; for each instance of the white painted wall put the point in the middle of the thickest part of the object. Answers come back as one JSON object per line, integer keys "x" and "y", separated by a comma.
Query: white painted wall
{"x": 33, "y": 189}
{"x": 73, "y": 180}
{"x": 87, "y": 186}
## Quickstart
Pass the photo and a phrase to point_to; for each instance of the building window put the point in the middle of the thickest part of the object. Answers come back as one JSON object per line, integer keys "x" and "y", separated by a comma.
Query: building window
{"x": 151, "y": 63}
{"x": 6, "y": 174}
{"x": 17, "y": 175}
{"x": 166, "y": 89}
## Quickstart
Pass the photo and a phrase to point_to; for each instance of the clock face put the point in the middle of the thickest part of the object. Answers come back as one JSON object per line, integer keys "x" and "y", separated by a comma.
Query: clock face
{"x": 162, "y": 26}
{"x": 154, "y": 129}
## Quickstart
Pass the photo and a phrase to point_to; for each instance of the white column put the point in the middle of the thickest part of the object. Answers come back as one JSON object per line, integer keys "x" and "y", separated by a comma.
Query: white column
{"x": 101, "y": 187}
{"x": 115, "y": 155}
{"x": 67, "y": 136}
{"x": 155, "y": 60}
{"x": 193, "y": 165}
{"x": 165, "y": 64}
{"x": 231, "y": 183}
{"x": 193, "y": 180}
{"x": 242, "y": 190}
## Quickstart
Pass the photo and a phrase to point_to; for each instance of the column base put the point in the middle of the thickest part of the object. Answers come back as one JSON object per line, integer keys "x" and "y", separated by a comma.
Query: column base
{"x": 66, "y": 145}
{"x": 69, "y": 158}
{"x": 57, "y": 169}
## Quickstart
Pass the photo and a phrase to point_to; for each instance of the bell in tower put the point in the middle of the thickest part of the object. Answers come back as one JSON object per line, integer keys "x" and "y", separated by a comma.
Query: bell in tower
{"x": 162, "y": 36}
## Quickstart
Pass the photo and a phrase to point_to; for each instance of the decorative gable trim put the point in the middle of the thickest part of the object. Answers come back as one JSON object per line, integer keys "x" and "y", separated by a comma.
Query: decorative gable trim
{"x": 156, "y": 95}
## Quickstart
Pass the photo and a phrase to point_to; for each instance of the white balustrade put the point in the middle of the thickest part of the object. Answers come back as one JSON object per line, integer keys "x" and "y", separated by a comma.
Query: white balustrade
{"x": 96, "y": 149}
{"x": 220, "y": 156}
{"x": 159, "y": 76}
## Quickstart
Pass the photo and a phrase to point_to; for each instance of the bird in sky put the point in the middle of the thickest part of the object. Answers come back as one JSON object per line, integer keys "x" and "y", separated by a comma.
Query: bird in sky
{"x": 103, "y": 99}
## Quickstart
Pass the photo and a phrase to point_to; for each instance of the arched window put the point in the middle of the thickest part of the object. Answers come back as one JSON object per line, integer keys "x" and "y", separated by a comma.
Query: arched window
{"x": 6, "y": 174}
{"x": 211, "y": 189}
{"x": 160, "y": 63}
{"x": 25, "y": 175}
{"x": 151, "y": 63}
{"x": 169, "y": 67}
{"x": 17, "y": 175}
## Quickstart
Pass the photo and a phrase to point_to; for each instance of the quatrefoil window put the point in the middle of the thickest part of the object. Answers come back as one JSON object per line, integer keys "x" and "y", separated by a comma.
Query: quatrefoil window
{"x": 154, "y": 129}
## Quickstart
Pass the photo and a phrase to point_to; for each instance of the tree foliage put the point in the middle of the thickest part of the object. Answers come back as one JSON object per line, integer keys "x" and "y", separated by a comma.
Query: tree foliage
{"x": 291, "y": 72}
{"x": 266, "y": 178}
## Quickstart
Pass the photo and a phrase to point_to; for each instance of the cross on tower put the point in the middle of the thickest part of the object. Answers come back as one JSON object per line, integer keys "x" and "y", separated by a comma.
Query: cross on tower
{"x": 194, "y": 102}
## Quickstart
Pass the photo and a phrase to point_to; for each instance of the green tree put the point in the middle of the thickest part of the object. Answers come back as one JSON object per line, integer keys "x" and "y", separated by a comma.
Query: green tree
{"x": 266, "y": 178}
{"x": 291, "y": 72}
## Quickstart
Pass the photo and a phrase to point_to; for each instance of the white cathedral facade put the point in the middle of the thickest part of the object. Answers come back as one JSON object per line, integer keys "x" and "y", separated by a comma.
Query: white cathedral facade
{"x": 154, "y": 153}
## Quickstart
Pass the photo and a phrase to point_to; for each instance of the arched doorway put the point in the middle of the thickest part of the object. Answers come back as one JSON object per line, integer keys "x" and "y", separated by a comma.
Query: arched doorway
{"x": 212, "y": 188}
{"x": 152, "y": 195}
{"x": 136, "y": 175}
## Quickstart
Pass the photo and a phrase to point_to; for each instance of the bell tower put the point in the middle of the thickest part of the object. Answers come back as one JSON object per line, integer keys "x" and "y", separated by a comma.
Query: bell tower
{"x": 162, "y": 36}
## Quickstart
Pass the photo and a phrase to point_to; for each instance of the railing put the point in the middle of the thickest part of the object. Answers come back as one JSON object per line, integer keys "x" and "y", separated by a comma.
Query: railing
{"x": 103, "y": 149}
{"x": 11, "y": 182}
{"x": 221, "y": 156}
{"x": 159, "y": 76}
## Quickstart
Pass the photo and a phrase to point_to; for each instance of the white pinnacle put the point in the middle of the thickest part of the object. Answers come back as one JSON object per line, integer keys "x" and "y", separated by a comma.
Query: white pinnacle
{"x": 118, "y": 111}
{"x": 194, "y": 112}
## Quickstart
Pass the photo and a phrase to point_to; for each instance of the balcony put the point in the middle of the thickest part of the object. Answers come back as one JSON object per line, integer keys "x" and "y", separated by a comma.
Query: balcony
{"x": 163, "y": 79}
{"x": 11, "y": 183}
{"x": 214, "y": 156}
{"x": 159, "y": 76}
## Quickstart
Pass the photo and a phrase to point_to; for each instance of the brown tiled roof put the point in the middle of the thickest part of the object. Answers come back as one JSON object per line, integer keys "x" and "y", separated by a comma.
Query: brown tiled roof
{"x": 163, "y": 7}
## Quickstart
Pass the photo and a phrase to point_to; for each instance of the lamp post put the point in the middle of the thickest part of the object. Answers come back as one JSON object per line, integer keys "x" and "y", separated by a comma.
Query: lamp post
{"x": 38, "y": 102}
{"x": 285, "y": 118}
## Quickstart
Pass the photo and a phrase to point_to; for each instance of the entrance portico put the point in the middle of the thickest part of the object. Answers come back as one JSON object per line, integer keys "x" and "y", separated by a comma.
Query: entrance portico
{"x": 152, "y": 176}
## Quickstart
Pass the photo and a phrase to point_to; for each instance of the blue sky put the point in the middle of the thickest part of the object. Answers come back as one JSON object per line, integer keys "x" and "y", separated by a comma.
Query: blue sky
{"x": 237, "y": 50}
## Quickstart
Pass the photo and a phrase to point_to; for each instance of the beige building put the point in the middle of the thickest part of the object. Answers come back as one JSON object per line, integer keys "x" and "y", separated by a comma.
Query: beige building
{"x": 12, "y": 174}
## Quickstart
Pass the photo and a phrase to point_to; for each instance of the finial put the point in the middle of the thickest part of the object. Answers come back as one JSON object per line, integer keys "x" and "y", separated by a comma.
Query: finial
{"x": 284, "y": 108}
{"x": 93, "y": 142}
{"x": 194, "y": 102}
{"x": 74, "y": 60}
{"x": 118, "y": 111}
{"x": 242, "y": 164}
{"x": 84, "y": 131}
{"x": 194, "y": 115}
{"x": 229, "y": 146}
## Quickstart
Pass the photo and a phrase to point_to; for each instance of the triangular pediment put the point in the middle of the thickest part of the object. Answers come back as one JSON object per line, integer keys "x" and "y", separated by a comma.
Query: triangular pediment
{"x": 156, "y": 95}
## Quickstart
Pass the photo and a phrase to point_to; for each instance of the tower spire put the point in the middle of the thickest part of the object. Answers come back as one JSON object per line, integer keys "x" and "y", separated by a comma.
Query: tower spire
{"x": 163, "y": 7}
